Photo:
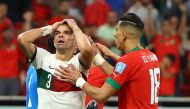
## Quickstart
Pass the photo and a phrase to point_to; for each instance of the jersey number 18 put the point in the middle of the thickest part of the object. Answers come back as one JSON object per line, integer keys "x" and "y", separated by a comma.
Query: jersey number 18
{"x": 155, "y": 84}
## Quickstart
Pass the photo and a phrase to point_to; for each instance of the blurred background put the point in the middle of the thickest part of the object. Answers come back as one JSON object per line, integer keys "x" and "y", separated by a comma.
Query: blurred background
{"x": 166, "y": 33}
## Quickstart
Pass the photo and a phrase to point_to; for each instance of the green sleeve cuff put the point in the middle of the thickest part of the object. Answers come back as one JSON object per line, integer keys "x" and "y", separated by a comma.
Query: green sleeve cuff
{"x": 113, "y": 83}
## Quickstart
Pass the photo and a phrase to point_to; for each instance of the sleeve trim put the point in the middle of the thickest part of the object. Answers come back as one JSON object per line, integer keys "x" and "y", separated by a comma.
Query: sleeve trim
{"x": 113, "y": 83}
{"x": 33, "y": 57}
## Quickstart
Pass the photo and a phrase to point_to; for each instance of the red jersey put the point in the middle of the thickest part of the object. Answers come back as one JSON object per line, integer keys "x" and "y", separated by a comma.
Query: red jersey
{"x": 167, "y": 45}
{"x": 167, "y": 85}
{"x": 96, "y": 77}
{"x": 136, "y": 77}
{"x": 9, "y": 59}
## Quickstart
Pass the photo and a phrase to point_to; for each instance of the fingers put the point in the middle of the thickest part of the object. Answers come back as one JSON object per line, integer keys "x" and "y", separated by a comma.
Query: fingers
{"x": 72, "y": 66}
{"x": 61, "y": 73}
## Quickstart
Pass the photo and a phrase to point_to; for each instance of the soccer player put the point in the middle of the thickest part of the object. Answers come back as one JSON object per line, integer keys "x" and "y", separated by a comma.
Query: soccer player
{"x": 135, "y": 76}
{"x": 52, "y": 92}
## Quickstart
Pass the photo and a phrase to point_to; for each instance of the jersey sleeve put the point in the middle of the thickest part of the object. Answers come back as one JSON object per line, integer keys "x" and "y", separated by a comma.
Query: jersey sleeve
{"x": 40, "y": 53}
{"x": 123, "y": 72}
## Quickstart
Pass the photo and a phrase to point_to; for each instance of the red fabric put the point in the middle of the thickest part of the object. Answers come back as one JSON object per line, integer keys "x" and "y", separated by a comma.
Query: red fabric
{"x": 4, "y": 24}
{"x": 167, "y": 45}
{"x": 41, "y": 13}
{"x": 167, "y": 86}
{"x": 9, "y": 59}
{"x": 96, "y": 13}
{"x": 55, "y": 19}
{"x": 96, "y": 77}
{"x": 137, "y": 74}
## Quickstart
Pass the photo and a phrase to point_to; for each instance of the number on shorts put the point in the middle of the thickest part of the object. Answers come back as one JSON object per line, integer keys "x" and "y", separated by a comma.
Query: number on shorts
{"x": 155, "y": 84}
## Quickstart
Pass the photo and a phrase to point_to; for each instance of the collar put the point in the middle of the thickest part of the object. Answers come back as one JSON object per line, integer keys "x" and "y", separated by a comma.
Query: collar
{"x": 135, "y": 49}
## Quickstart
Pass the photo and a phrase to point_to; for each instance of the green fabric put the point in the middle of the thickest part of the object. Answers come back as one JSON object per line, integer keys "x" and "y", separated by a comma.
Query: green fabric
{"x": 135, "y": 49}
{"x": 114, "y": 84}
{"x": 45, "y": 79}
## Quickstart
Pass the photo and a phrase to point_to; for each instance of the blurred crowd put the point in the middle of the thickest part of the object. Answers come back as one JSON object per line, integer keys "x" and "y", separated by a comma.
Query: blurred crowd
{"x": 166, "y": 33}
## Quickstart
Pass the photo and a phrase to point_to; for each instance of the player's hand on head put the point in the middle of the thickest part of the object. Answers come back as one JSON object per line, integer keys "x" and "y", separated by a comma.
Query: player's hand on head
{"x": 56, "y": 24}
{"x": 72, "y": 24}
{"x": 69, "y": 74}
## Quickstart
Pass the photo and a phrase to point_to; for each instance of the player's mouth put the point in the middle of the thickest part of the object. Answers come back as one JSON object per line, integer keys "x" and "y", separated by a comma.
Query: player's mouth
{"x": 60, "y": 42}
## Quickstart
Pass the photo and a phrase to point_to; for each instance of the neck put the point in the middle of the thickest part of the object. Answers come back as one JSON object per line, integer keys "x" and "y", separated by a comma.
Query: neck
{"x": 64, "y": 55}
{"x": 131, "y": 45}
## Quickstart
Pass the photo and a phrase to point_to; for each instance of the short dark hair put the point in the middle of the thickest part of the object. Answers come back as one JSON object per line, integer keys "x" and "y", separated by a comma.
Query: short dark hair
{"x": 132, "y": 19}
{"x": 51, "y": 47}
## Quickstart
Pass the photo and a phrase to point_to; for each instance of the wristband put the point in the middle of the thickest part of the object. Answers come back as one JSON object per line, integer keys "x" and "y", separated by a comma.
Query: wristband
{"x": 98, "y": 59}
{"x": 46, "y": 30}
{"x": 80, "y": 82}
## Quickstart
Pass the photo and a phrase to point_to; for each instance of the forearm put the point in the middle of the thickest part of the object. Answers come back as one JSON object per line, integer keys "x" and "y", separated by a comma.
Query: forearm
{"x": 26, "y": 39}
{"x": 183, "y": 26}
{"x": 94, "y": 92}
{"x": 30, "y": 36}
{"x": 103, "y": 64}
{"x": 83, "y": 43}
{"x": 107, "y": 68}
{"x": 114, "y": 56}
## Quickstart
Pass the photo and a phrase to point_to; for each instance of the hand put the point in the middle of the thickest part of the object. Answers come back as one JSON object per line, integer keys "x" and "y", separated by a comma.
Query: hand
{"x": 55, "y": 25}
{"x": 72, "y": 24}
{"x": 68, "y": 74}
{"x": 103, "y": 49}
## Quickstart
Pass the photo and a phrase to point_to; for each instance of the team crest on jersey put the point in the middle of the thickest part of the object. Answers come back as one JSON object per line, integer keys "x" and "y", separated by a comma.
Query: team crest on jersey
{"x": 120, "y": 67}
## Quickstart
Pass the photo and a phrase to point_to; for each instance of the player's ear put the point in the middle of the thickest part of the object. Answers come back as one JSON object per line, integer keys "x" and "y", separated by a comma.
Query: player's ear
{"x": 124, "y": 36}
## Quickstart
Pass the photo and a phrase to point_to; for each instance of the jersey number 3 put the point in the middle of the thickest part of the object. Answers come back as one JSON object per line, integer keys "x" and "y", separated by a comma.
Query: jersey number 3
{"x": 155, "y": 84}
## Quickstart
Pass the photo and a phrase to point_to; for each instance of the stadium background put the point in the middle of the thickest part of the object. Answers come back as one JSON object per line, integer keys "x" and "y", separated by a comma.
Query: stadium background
{"x": 98, "y": 18}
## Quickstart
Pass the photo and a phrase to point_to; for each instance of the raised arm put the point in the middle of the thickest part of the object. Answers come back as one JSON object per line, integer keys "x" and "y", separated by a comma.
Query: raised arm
{"x": 83, "y": 43}
{"x": 183, "y": 22}
{"x": 101, "y": 62}
{"x": 107, "y": 52}
{"x": 27, "y": 38}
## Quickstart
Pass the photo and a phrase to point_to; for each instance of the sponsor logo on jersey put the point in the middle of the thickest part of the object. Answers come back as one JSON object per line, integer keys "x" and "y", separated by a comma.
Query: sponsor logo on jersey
{"x": 120, "y": 67}
{"x": 51, "y": 67}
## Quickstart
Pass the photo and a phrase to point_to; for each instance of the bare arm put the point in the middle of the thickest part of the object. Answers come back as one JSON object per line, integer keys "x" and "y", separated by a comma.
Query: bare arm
{"x": 83, "y": 43}
{"x": 183, "y": 22}
{"x": 27, "y": 38}
{"x": 107, "y": 52}
{"x": 105, "y": 66}
{"x": 99, "y": 94}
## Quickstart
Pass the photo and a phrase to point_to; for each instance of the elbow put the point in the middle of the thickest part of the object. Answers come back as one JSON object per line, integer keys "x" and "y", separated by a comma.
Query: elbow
{"x": 19, "y": 39}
